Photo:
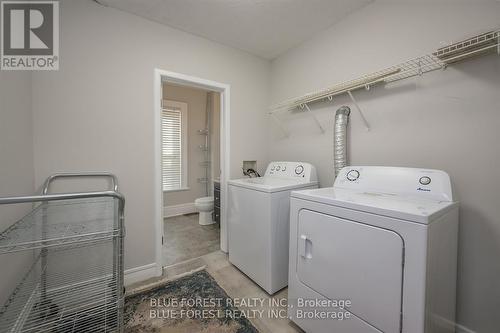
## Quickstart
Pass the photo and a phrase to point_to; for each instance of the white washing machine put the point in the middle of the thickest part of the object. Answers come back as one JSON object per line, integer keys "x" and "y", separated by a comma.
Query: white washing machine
{"x": 383, "y": 239}
{"x": 258, "y": 221}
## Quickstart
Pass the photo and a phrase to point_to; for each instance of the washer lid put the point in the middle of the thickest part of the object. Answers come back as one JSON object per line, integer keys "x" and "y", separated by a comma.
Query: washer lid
{"x": 271, "y": 184}
{"x": 397, "y": 206}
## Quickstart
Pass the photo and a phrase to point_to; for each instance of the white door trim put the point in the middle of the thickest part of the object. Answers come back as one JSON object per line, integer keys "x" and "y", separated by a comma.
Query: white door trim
{"x": 190, "y": 81}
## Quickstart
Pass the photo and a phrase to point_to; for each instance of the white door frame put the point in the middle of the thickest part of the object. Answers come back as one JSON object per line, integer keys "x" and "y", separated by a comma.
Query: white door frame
{"x": 189, "y": 81}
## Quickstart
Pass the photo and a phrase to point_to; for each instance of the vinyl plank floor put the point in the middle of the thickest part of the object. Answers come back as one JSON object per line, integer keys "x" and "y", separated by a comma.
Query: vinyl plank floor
{"x": 185, "y": 239}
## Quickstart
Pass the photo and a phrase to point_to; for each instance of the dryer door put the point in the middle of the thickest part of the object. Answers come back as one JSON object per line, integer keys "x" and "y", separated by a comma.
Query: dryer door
{"x": 343, "y": 259}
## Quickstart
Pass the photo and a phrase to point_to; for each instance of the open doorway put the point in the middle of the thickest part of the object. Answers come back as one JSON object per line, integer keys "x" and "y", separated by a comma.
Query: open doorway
{"x": 190, "y": 172}
{"x": 191, "y": 130}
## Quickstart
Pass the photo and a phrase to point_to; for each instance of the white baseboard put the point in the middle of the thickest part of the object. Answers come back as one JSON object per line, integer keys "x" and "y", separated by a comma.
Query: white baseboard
{"x": 181, "y": 209}
{"x": 445, "y": 325}
{"x": 463, "y": 329}
{"x": 141, "y": 273}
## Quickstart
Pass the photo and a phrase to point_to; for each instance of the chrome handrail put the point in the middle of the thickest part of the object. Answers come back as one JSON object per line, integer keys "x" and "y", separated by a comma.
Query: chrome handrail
{"x": 62, "y": 196}
{"x": 50, "y": 179}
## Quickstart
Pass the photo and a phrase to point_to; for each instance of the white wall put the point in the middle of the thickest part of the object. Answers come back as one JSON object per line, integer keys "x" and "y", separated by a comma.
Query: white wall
{"x": 96, "y": 112}
{"x": 196, "y": 100}
{"x": 215, "y": 137}
{"x": 16, "y": 166}
{"x": 445, "y": 120}
{"x": 16, "y": 138}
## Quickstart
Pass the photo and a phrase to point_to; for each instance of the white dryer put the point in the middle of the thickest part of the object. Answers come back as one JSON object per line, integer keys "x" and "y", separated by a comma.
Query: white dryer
{"x": 383, "y": 239}
{"x": 258, "y": 221}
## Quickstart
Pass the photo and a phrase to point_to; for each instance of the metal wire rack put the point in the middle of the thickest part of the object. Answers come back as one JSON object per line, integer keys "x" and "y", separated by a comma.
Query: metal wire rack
{"x": 440, "y": 59}
{"x": 74, "y": 281}
{"x": 70, "y": 221}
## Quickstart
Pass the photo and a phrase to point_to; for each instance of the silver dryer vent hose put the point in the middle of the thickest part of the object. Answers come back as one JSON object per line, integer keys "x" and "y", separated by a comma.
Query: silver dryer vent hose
{"x": 340, "y": 138}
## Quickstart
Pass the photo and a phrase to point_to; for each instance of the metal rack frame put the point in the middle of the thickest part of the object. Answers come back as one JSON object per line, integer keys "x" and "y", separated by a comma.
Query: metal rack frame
{"x": 58, "y": 239}
{"x": 440, "y": 59}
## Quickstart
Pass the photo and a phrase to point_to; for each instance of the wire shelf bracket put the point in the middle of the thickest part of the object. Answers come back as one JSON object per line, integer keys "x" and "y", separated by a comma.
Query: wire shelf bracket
{"x": 305, "y": 106}
{"x": 365, "y": 122}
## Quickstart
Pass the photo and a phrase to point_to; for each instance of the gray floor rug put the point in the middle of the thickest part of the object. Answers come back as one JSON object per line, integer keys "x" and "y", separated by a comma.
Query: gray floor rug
{"x": 155, "y": 310}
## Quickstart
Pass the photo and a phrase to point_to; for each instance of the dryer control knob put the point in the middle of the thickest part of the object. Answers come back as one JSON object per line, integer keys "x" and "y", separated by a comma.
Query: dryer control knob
{"x": 353, "y": 175}
{"x": 425, "y": 180}
{"x": 299, "y": 169}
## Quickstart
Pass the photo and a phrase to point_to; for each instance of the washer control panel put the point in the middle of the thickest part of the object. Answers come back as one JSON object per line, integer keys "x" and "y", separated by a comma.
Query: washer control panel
{"x": 427, "y": 183}
{"x": 296, "y": 170}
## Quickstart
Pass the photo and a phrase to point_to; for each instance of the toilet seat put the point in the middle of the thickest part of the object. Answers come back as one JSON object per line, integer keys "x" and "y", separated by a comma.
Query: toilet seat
{"x": 205, "y": 206}
{"x": 204, "y": 200}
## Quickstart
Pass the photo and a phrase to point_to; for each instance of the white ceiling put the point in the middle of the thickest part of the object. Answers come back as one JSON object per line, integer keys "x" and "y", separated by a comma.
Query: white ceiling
{"x": 265, "y": 28}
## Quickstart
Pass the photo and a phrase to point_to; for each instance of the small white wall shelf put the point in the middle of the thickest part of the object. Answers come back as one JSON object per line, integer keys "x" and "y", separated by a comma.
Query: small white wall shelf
{"x": 440, "y": 59}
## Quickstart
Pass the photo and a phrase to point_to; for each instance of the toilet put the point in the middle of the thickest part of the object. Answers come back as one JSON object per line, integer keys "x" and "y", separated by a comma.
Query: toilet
{"x": 205, "y": 206}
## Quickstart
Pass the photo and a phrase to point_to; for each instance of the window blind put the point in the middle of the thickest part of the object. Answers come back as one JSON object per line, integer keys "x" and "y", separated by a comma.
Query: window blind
{"x": 171, "y": 131}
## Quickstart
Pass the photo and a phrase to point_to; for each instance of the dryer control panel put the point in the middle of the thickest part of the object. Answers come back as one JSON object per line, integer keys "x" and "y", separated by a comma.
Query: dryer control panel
{"x": 296, "y": 170}
{"x": 423, "y": 183}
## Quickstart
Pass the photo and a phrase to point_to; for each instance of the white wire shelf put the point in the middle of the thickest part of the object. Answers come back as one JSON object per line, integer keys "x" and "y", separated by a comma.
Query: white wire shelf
{"x": 77, "y": 298}
{"x": 70, "y": 221}
{"x": 440, "y": 59}
{"x": 476, "y": 45}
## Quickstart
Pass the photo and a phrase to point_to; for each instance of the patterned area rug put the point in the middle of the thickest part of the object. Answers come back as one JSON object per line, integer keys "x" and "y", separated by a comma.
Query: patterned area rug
{"x": 191, "y": 304}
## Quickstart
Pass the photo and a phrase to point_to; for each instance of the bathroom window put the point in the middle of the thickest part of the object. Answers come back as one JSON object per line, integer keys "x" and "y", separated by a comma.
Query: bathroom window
{"x": 174, "y": 145}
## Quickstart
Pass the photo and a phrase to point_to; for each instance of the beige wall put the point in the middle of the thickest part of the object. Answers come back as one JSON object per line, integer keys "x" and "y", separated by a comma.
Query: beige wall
{"x": 96, "y": 112}
{"x": 16, "y": 166}
{"x": 196, "y": 100}
{"x": 445, "y": 120}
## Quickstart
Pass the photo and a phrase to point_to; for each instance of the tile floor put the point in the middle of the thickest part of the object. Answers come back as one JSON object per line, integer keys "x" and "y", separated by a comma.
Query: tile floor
{"x": 185, "y": 239}
{"x": 235, "y": 283}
